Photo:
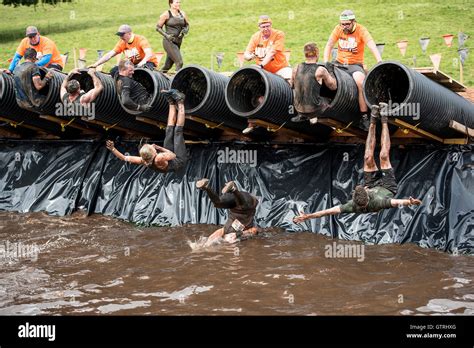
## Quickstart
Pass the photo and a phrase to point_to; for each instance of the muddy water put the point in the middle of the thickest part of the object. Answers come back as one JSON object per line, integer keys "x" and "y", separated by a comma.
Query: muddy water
{"x": 99, "y": 265}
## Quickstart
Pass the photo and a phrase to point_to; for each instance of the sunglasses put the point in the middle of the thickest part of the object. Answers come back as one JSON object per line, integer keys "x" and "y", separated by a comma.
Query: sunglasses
{"x": 31, "y": 35}
{"x": 346, "y": 24}
{"x": 265, "y": 26}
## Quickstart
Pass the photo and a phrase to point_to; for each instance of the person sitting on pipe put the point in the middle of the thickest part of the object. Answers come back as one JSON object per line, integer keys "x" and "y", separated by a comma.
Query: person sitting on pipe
{"x": 351, "y": 38}
{"x": 132, "y": 93}
{"x": 307, "y": 89}
{"x": 242, "y": 208}
{"x": 71, "y": 93}
{"x": 28, "y": 81}
{"x": 172, "y": 156}
{"x": 136, "y": 48}
{"x": 47, "y": 53}
{"x": 380, "y": 185}
{"x": 267, "y": 48}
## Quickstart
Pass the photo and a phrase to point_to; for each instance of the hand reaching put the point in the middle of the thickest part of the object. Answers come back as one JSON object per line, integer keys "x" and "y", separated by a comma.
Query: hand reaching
{"x": 110, "y": 145}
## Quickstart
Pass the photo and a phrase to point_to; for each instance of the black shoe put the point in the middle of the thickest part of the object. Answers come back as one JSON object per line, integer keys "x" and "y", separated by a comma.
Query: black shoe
{"x": 299, "y": 118}
{"x": 174, "y": 94}
{"x": 330, "y": 68}
{"x": 364, "y": 122}
{"x": 384, "y": 112}
{"x": 374, "y": 113}
{"x": 169, "y": 96}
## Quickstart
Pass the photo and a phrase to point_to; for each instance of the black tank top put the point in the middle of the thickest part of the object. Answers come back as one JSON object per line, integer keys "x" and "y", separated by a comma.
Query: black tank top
{"x": 307, "y": 97}
{"x": 174, "y": 25}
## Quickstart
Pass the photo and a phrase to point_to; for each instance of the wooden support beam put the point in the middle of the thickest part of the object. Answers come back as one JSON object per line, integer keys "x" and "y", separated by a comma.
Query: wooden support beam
{"x": 108, "y": 126}
{"x": 442, "y": 78}
{"x": 162, "y": 126}
{"x": 414, "y": 129}
{"x": 68, "y": 123}
{"x": 22, "y": 124}
{"x": 9, "y": 133}
{"x": 213, "y": 125}
{"x": 300, "y": 137}
{"x": 461, "y": 128}
{"x": 340, "y": 127}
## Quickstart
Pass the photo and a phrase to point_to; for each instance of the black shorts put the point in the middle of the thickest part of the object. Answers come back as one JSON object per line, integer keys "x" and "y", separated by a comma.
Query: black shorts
{"x": 384, "y": 178}
{"x": 350, "y": 68}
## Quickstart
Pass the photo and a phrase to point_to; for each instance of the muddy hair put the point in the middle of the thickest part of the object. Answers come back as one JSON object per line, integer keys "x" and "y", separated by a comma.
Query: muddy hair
{"x": 311, "y": 50}
{"x": 147, "y": 154}
{"x": 360, "y": 196}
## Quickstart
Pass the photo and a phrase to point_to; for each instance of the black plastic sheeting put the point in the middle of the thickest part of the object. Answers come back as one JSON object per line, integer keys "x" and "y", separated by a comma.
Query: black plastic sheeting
{"x": 60, "y": 177}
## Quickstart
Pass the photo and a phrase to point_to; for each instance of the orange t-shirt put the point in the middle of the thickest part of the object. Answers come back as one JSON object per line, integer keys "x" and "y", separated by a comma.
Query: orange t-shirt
{"x": 45, "y": 46}
{"x": 135, "y": 51}
{"x": 260, "y": 47}
{"x": 350, "y": 47}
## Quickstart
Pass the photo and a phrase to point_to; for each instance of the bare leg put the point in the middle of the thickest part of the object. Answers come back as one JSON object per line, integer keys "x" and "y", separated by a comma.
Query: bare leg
{"x": 172, "y": 115}
{"x": 385, "y": 152}
{"x": 323, "y": 76}
{"x": 359, "y": 80}
{"x": 369, "y": 161}
{"x": 181, "y": 114}
{"x": 213, "y": 237}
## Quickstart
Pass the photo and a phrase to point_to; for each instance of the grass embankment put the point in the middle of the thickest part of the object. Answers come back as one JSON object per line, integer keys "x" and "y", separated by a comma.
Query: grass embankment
{"x": 226, "y": 26}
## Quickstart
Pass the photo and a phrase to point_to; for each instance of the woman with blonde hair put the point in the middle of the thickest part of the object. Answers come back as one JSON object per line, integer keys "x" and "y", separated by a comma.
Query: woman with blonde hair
{"x": 172, "y": 156}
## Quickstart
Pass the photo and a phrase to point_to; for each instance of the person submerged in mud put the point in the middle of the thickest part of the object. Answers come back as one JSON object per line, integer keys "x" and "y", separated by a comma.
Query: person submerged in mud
{"x": 380, "y": 185}
{"x": 242, "y": 208}
{"x": 172, "y": 156}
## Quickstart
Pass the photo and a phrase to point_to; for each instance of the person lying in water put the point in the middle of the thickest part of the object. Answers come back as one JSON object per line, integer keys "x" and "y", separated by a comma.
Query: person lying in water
{"x": 380, "y": 185}
{"x": 172, "y": 156}
{"x": 242, "y": 207}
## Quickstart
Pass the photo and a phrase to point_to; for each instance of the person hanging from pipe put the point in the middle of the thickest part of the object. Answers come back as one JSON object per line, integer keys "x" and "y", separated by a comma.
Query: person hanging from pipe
{"x": 172, "y": 157}
{"x": 133, "y": 95}
{"x": 28, "y": 81}
{"x": 308, "y": 101}
{"x": 71, "y": 93}
{"x": 177, "y": 25}
{"x": 242, "y": 208}
{"x": 351, "y": 38}
{"x": 380, "y": 185}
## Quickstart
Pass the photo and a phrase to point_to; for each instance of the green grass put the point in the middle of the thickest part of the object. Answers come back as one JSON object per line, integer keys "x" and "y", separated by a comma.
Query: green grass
{"x": 226, "y": 26}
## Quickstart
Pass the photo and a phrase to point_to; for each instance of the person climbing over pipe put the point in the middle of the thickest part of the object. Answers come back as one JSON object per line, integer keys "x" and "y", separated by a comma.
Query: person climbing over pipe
{"x": 307, "y": 89}
{"x": 47, "y": 52}
{"x": 28, "y": 81}
{"x": 172, "y": 156}
{"x": 133, "y": 94}
{"x": 177, "y": 25}
{"x": 351, "y": 38}
{"x": 380, "y": 185}
{"x": 136, "y": 48}
{"x": 71, "y": 93}
{"x": 267, "y": 48}
{"x": 242, "y": 208}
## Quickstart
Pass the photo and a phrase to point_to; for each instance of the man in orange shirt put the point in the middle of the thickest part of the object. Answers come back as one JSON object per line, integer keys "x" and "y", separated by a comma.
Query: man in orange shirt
{"x": 351, "y": 38}
{"x": 48, "y": 53}
{"x": 136, "y": 48}
{"x": 267, "y": 48}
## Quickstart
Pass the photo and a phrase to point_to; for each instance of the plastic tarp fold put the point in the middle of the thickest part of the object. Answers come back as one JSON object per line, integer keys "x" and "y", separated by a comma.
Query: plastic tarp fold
{"x": 60, "y": 177}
